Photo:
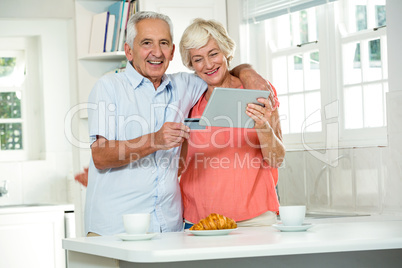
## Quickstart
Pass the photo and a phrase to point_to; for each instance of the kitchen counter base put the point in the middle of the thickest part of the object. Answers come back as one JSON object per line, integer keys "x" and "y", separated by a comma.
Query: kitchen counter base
{"x": 372, "y": 258}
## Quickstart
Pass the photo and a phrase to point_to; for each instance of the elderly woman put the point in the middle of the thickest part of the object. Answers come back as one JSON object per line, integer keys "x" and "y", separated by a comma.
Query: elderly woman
{"x": 228, "y": 171}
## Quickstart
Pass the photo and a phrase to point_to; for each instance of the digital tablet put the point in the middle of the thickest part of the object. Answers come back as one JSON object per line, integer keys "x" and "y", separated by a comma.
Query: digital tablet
{"x": 227, "y": 107}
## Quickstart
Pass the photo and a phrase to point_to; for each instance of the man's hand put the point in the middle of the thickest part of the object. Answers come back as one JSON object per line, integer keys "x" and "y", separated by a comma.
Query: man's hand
{"x": 170, "y": 135}
{"x": 252, "y": 80}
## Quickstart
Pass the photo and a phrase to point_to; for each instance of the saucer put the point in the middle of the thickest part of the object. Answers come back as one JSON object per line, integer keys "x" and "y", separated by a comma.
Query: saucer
{"x": 135, "y": 237}
{"x": 211, "y": 232}
{"x": 300, "y": 228}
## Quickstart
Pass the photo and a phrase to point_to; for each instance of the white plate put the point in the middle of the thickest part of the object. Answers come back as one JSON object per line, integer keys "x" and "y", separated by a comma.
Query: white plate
{"x": 300, "y": 228}
{"x": 134, "y": 237}
{"x": 211, "y": 232}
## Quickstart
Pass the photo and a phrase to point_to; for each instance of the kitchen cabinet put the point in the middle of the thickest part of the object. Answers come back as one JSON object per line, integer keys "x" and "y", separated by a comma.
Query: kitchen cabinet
{"x": 31, "y": 236}
{"x": 91, "y": 67}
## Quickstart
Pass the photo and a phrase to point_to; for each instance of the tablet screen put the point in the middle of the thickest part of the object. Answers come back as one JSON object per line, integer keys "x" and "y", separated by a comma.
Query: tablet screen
{"x": 227, "y": 107}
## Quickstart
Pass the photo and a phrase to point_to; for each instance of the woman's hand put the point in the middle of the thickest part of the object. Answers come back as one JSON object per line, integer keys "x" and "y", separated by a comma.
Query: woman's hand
{"x": 268, "y": 129}
{"x": 260, "y": 113}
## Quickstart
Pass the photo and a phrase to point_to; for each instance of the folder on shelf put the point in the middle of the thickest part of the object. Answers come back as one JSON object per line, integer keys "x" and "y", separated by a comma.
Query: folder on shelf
{"x": 110, "y": 32}
{"x": 133, "y": 8}
{"x": 123, "y": 25}
{"x": 98, "y": 33}
{"x": 116, "y": 10}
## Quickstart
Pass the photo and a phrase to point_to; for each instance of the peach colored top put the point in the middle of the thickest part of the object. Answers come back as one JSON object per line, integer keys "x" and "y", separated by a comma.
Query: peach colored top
{"x": 225, "y": 173}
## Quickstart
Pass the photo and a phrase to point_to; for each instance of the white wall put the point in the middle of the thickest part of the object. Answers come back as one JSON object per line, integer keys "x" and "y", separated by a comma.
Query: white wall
{"x": 36, "y": 9}
{"x": 393, "y": 162}
{"x": 234, "y": 17}
{"x": 44, "y": 181}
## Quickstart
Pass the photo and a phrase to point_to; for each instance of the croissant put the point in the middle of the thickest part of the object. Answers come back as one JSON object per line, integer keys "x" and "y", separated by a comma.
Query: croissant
{"x": 215, "y": 222}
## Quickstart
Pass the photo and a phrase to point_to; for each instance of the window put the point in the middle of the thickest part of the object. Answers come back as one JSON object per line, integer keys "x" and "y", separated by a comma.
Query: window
{"x": 12, "y": 75}
{"x": 328, "y": 62}
{"x": 364, "y": 64}
{"x": 296, "y": 71}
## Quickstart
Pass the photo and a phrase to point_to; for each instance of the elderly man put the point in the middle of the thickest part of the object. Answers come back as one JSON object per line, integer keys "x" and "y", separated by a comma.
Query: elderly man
{"x": 137, "y": 129}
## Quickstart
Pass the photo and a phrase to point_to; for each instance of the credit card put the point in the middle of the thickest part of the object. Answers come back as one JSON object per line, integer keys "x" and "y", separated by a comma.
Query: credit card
{"x": 193, "y": 123}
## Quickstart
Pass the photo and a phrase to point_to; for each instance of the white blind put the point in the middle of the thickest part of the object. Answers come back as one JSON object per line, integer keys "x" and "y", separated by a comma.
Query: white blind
{"x": 258, "y": 10}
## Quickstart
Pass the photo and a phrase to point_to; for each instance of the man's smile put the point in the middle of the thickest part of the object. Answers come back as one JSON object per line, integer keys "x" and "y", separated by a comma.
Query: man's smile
{"x": 153, "y": 62}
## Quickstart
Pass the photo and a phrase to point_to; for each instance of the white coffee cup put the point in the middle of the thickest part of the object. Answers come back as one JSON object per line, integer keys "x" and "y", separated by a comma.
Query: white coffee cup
{"x": 292, "y": 215}
{"x": 136, "y": 223}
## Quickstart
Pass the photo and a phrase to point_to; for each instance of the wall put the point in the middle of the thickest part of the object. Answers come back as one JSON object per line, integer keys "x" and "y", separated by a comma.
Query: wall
{"x": 36, "y": 9}
{"x": 366, "y": 179}
{"x": 44, "y": 181}
{"x": 393, "y": 177}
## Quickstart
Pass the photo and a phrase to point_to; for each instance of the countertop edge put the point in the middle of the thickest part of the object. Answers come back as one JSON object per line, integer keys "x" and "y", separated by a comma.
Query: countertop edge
{"x": 34, "y": 208}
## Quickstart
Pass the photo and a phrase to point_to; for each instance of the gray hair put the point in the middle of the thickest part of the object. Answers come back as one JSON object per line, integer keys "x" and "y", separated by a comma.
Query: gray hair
{"x": 199, "y": 33}
{"x": 142, "y": 15}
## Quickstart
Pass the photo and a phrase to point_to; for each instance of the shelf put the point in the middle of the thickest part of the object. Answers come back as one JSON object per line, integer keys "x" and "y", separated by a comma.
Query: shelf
{"x": 117, "y": 55}
{"x": 97, "y": 0}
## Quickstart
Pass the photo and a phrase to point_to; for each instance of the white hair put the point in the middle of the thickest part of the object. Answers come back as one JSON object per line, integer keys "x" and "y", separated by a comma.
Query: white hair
{"x": 199, "y": 33}
{"x": 142, "y": 15}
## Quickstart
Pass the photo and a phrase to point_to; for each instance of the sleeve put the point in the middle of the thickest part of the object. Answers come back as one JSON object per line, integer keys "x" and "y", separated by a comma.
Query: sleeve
{"x": 199, "y": 88}
{"x": 195, "y": 86}
{"x": 275, "y": 97}
{"x": 101, "y": 111}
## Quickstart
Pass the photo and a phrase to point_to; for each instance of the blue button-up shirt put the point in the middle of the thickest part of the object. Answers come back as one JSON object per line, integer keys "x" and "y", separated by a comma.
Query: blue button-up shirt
{"x": 125, "y": 106}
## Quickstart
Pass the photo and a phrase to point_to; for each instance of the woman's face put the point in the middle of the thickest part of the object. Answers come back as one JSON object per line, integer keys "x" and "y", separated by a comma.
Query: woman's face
{"x": 209, "y": 63}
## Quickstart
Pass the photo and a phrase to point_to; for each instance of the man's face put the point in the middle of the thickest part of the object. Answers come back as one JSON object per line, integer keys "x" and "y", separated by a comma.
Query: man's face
{"x": 152, "y": 49}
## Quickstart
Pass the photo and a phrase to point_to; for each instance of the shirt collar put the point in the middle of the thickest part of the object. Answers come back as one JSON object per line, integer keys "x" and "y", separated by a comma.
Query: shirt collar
{"x": 166, "y": 83}
{"x": 137, "y": 79}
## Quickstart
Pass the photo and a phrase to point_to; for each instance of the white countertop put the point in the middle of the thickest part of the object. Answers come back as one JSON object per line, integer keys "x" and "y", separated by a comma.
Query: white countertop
{"x": 326, "y": 236}
{"x": 34, "y": 208}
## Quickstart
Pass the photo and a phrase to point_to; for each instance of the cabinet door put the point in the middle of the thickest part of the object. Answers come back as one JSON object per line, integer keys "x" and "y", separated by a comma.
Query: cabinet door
{"x": 32, "y": 240}
{"x": 182, "y": 12}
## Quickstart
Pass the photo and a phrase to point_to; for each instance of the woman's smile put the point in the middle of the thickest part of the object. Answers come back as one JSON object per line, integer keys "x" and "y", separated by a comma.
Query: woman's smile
{"x": 212, "y": 72}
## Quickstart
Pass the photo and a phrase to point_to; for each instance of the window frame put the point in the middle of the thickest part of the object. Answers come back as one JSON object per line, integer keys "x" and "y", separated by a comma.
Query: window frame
{"x": 294, "y": 139}
{"x": 312, "y": 140}
{"x": 377, "y": 136}
{"x": 16, "y": 46}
